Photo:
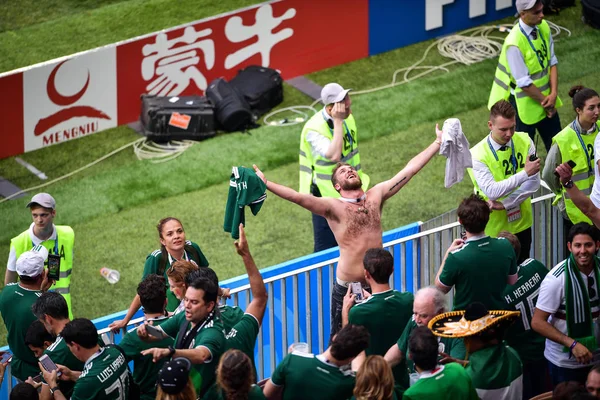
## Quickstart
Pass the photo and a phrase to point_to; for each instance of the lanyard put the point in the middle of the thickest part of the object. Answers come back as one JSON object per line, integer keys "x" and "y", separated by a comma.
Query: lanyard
{"x": 346, "y": 130}
{"x": 55, "y": 244}
{"x": 575, "y": 127}
{"x": 513, "y": 158}
{"x": 532, "y": 46}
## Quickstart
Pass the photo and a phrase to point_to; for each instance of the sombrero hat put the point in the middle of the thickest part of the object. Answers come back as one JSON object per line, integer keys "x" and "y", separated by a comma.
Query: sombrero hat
{"x": 475, "y": 320}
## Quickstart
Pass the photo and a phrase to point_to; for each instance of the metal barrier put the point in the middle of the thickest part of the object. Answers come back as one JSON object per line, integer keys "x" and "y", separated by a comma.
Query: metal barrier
{"x": 299, "y": 291}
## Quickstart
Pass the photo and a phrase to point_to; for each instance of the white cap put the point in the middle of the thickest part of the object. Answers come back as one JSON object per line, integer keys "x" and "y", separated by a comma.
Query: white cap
{"x": 333, "y": 93}
{"x": 524, "y": 5}
{"x": 31, "y": 263}
{"x": 44, "y": 200}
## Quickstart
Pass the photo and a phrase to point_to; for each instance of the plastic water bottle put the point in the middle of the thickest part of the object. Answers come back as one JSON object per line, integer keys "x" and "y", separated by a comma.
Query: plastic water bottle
{"x": 111, "y": 275}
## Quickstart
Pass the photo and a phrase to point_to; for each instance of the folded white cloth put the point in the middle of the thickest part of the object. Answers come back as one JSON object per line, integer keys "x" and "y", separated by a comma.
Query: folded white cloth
{"x": 455, "y": 147}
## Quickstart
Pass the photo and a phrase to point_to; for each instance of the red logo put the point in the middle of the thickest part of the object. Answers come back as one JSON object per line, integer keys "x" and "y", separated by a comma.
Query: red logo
{"x": 65, "y": 114}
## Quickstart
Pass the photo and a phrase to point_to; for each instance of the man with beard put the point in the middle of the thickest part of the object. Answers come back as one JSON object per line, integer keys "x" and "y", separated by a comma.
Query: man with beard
{"x": 567, "y": 308}
{"x": 354, "y": 218}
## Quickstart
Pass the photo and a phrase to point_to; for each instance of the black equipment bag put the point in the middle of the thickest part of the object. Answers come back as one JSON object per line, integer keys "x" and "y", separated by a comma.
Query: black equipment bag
{"x": 177, "y": 118}
{"x": 262, "y": 88}
{"x": 232, "y": 111}
{"x": 554, "y": 6}
{"x": 591, "y": 12}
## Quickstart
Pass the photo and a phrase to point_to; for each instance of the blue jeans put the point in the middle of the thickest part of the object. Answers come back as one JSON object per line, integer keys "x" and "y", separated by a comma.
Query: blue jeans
{"x": 560, "y": 374}
{"x": 337, "y": 301}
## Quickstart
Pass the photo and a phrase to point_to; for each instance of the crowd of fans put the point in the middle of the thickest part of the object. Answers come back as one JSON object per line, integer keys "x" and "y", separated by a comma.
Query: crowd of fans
{"x": 518, "y": 329}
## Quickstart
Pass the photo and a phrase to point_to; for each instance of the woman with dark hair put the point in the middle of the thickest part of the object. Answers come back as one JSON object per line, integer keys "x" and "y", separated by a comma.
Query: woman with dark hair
{"x": 235, "y": 379}
{"x": 575, "y": 143}
{"x": 173, "y": 247}
{"x": 374, "y": 380}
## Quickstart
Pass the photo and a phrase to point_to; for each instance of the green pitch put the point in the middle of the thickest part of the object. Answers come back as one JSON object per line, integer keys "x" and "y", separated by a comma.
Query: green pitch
{"x": 114, "y": 206}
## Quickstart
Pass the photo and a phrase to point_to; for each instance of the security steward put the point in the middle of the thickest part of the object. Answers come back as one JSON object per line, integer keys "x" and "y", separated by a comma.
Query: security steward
{"x": 527, "y": 73}
{"x": 58, "y": 239}
{"x": 329, "y": 136}
{"x": 506, "y": 174}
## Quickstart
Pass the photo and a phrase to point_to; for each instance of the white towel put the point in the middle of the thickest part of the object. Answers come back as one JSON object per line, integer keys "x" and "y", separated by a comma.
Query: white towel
{"x": 455, "y": 147}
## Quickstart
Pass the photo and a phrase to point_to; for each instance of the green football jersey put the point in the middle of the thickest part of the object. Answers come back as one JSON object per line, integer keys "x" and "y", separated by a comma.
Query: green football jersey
{"x": 153, "y": 260}
{"x": 522, "y": 297}
{"x": 215, "y": 393}
{"x": 59, "y": 353}
{"x": 230, "y": 316}
{"x": 479, "y": 271}
{"x": 449, "y": 381}
{"x": 242, "y": 337}
{"x": 454, "y": 347}
{"x": 210, "y": 336}
{"x": 245, "y": 189}
{"x": 385, "y": 315}
{"x": 308, "y": 376}
{"x": 145, "y": 370}
{"x": 104, "y": 377}
{"x": 15, "y": 307}
{"x": 496, "y": 371}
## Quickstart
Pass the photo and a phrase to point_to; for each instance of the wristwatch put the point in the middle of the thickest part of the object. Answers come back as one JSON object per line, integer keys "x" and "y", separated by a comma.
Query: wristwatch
{"x": 568, "y": 184}
{"x": 54, "y": 389}
{"x": 171, "y": 351}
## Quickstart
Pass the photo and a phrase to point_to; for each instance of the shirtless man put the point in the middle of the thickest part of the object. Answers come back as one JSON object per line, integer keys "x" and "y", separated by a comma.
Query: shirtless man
{"x": 354, "y": 218}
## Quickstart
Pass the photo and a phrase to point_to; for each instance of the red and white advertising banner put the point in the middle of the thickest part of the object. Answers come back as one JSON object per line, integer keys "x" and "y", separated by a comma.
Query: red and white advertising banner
{"x": 88, "y": 92}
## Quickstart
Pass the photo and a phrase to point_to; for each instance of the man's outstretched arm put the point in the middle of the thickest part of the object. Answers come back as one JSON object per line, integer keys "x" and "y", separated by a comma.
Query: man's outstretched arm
{"x": 257, "y": 286}
{"x": 392, "y": 186}
{"x": 580, "y": 200}
{"x": 316, "y": 205}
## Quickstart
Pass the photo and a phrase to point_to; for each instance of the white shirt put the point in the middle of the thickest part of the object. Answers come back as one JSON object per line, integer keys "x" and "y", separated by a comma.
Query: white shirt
{"x": 516, "y": 62}
{"x": 551, "y": 297}
{"x": 11, "y": 265}
{"x": 319, "y": 144}
{"x": 595, "y": 196}
{"x": 520, "y": 186}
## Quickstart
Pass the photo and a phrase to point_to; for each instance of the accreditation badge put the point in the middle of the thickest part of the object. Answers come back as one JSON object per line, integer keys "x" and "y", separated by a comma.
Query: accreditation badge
{"x": 513, "y": 214}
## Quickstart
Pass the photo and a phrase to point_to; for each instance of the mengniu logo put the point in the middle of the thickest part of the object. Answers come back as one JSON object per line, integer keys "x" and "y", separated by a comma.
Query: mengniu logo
{"x": 69, "y": 110}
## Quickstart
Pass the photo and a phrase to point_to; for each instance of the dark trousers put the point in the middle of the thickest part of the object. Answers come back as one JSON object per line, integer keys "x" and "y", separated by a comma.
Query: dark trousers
{"x": 322, "y": 233}
{"x": 535, "y": 378}
{"x": 547, "y": 128}
{"x": 525, "y": 240}
{"x": 559, "y": 374}
{"x": 337, "y": 300}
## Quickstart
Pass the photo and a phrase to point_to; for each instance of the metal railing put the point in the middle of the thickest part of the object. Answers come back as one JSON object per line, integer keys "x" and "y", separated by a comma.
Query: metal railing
{"x": 299, "y": 299}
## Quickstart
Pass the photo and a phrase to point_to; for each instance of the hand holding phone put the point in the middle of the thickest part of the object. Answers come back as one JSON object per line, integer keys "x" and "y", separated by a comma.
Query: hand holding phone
{"x": 155, "y": 332}
{"x": 571, "y": 163}
{"x": 53, "y": 266}
{"x": 356, "y": 289}
{"x": 49, "y": 365}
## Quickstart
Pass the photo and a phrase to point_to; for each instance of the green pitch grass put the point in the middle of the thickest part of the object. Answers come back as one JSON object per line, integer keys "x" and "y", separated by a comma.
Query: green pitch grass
{"x": 114, "y": 206}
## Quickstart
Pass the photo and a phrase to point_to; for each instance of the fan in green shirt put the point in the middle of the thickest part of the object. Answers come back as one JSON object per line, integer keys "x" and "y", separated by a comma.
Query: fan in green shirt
{"x": 16, "y": 300}
{"x": 235, "y": 378}
{"x": 105, "y": 375}
{"x": 478, "y": 266}
{"x": 198, "y": 332}
{"x": 324, "y": 376}
{"x": 429, "y": 302}
{"x": 385, "y": 313}
{"x": 174, "y": 247}
{"x": 145, "y": 371}
{"x": 436, "y": 382}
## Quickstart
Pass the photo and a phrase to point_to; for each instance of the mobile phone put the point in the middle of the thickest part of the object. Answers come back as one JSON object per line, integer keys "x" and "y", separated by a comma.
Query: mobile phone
{"x": 154, "y": 331}
{"x": 571, "y": 163}
{"x": 49, "y": 365}
{"x": 6, "y": 358}
{"x": 38, "y": 378}
{"x": 533, "y": 157}
{"x": 356, "y": 289}
{"x": 53, "y": 266}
